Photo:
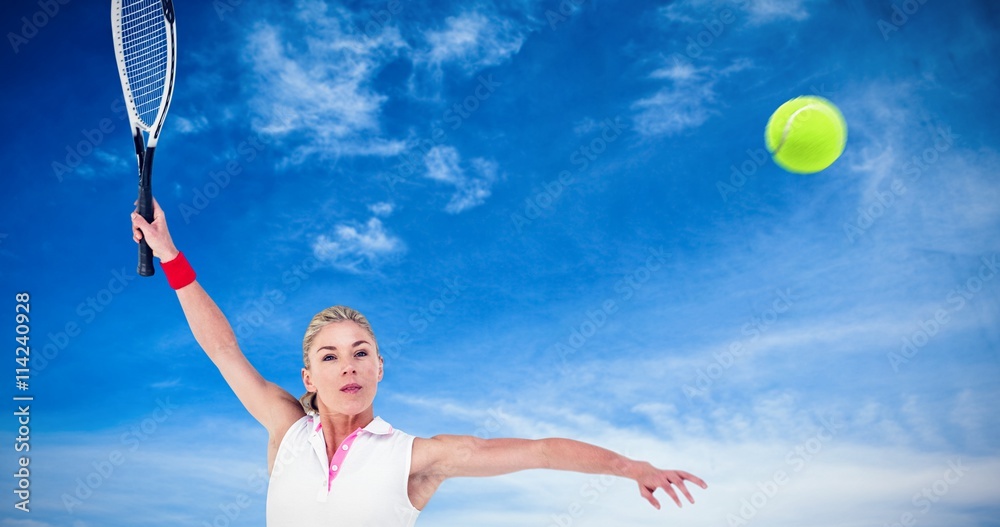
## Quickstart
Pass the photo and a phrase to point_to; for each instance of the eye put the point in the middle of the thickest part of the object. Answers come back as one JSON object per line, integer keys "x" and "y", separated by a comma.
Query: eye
{"x": 328, "y": 358}
{"x": 361, "y": 353}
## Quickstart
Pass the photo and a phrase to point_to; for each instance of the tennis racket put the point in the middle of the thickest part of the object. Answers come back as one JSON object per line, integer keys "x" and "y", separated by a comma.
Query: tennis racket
{"x": 145, "y": 47}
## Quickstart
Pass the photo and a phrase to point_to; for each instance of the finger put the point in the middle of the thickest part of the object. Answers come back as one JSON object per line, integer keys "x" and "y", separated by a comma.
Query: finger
{"x": 692, "y": 478}
{"x": 672, "y": 494}
{"x": 157, "y": 211}
{"x": 139, "y": 224}
{"x": 680, "y": 485}
{"x": 648, "y": 494}
{"x": 138, "y": 221}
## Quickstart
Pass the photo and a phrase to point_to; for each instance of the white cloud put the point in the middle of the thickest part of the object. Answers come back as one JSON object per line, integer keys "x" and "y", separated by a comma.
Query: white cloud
{"x": 972, "y": 412}
{"x": 677, "y": 71}
{"x": 674, "y": 109}
{"x": 465, "y": 44}
{"x": 695, "y": 12}
{"x": 382, "y": 208}
{"x": 103, "y": 165}
{"x": 766, "y": 11}
{"x": 113, "y": 163}
{"x": 357, "y": 248}
{"x": 683, "y": 103}
{"x": 312, "y": 79}
{"x": 677, "y": 12}
{"x": 11, "y": 522}
{"x": 146, "y": 464}
{"x": 472, "y": 41}
{"x": 839, "y": 485}
{"x": 474, "y": 191}
{"x": 686, "y": 100}
{"x": 443, "y": 164}
{"x": 924, "y": 428}
{"x": 825, "y": 476}
{"x": 948, "y": 198}
{"x": 585, "y": 126}
{"x": 190, "y": 126}
{"x": 168, "y": 383}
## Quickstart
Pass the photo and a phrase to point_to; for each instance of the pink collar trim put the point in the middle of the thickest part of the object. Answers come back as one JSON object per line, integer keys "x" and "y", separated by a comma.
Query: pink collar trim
{"x": 376, "y": 427}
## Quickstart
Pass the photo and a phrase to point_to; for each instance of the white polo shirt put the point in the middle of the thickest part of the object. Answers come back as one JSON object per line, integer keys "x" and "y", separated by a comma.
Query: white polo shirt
{"x": 365, "y": 484}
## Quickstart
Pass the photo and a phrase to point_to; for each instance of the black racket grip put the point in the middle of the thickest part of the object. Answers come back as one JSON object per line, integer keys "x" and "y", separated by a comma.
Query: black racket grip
{"x": 146, "y": 267}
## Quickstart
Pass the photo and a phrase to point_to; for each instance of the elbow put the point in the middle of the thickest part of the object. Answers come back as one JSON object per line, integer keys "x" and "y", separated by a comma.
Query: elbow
{"x": 543, "y": 453}
{"x": 224, "y": 347}
{"x": 224, "y": 354}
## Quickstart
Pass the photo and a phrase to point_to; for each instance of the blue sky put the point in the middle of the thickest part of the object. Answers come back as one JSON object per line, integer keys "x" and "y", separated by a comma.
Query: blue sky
{"x": 559, "y": 218}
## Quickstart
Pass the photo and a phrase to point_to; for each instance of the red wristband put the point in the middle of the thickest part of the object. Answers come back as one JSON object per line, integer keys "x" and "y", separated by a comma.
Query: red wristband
{"x": 178, "y": 271}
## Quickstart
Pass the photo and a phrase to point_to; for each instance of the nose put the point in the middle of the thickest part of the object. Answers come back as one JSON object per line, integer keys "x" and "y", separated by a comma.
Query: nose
{"x": 348, "y": 368}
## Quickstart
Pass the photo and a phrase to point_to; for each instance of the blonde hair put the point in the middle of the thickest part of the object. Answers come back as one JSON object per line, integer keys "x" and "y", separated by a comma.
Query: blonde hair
{"x": 319, "y": 321}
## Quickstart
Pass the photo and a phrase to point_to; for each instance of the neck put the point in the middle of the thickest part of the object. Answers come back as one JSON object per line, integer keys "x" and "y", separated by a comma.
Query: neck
{"x": 337, "y": 426}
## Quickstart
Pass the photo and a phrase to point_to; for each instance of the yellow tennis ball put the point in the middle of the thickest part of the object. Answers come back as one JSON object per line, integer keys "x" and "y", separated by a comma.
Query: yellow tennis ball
{"x": 806, "y": 134}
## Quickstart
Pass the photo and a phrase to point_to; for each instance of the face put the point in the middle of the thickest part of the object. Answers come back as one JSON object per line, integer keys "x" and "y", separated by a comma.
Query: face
{"x": 343, "y": 369}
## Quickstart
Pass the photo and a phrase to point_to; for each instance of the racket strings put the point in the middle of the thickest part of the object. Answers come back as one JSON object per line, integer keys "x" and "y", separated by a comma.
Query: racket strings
{"x": 144, "y": 45}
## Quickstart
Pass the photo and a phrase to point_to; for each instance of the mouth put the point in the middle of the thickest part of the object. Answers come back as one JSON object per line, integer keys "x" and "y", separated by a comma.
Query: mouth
{"x": 351, "y": 388}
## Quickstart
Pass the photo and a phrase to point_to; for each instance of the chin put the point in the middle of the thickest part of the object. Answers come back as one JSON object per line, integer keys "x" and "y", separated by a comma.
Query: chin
{"x": 354, "y": 407}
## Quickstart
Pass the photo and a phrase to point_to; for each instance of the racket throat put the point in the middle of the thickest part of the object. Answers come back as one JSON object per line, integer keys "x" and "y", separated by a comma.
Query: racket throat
{"x": 147, "y": 167}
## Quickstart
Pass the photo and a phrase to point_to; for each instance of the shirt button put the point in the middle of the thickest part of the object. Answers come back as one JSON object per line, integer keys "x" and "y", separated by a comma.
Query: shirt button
{"x": 335, "y": 468}
{"x": 345, "y": 447}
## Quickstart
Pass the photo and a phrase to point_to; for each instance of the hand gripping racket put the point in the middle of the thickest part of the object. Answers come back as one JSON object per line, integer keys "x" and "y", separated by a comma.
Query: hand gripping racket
{"x": 145, "y": 47}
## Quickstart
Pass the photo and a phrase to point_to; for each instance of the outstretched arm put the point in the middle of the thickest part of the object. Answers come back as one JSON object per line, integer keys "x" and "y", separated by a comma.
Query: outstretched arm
{"x": 447, "y": 456}
{"x": 269, "y": 404}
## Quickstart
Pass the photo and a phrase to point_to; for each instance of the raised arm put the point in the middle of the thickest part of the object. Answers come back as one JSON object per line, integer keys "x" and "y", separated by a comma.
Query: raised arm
{"x": 447, "y": 456}
{"x": 272, "y": 406}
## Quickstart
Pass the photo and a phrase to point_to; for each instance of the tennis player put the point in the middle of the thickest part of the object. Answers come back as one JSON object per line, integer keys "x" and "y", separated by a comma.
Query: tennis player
{"x": 331, "y": 460}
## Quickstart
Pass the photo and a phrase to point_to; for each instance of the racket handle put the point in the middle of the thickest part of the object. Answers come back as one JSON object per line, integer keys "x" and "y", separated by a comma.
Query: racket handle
{"x": 146, "y": 267}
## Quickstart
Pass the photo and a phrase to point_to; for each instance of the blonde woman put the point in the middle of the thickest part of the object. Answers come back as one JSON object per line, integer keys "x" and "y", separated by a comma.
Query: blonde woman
{"x": 331, "y": 460}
